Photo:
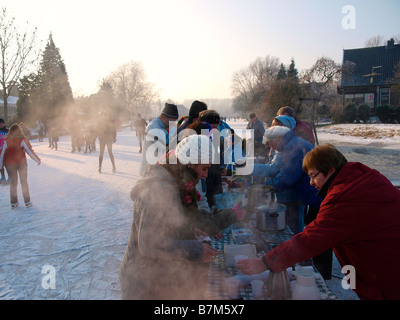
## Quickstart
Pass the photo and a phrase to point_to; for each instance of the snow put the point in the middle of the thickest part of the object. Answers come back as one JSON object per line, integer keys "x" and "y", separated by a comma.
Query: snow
{"x": 80, "y": 220}
{"x": 387, "y": 135}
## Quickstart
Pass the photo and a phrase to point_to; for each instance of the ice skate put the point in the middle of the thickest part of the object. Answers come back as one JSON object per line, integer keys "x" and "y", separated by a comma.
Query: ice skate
{"x": 14, "y": 205}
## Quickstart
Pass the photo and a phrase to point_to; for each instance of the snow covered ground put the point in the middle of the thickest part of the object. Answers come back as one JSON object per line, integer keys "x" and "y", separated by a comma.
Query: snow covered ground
{"x": 69, "y": 245}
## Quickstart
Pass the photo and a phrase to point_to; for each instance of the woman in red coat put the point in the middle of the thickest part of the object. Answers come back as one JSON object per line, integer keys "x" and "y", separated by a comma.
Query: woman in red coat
{"x": 359, "y": 218}
{"x": 14, "y": 159}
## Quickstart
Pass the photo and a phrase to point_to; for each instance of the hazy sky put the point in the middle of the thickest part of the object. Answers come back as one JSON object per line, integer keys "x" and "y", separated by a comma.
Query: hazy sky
{"x": 191, "y": 48}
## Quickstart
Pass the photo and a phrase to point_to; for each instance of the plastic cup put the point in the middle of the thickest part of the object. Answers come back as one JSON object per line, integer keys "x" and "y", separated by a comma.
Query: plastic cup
{"x": 240, "y": 257}
{"x": 257, "y": 289}
{"x": 232, "y": 285}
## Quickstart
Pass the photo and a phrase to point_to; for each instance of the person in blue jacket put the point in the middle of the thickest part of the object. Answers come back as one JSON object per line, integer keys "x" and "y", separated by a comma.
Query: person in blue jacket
{"x": 323, "y": 261}
{"x": 285, "y": 174}
{"x": 158, "y": 134}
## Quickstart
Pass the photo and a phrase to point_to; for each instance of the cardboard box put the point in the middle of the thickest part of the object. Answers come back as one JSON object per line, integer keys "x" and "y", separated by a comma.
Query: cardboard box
{"x": 232, "y": 250}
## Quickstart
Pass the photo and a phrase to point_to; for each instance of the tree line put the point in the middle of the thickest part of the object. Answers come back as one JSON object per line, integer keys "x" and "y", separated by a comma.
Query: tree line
{"x": 45, "y": 93}
{"x": 267, "y": 85}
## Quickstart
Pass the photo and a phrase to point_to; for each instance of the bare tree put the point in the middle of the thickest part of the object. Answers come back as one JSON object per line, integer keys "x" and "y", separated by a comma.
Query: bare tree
{"x": 17, "y": 53}
{"x": 319, "y": 85}
{"x": 131, "y": 88}
{"x": 321, "y": 79}
{"x": 242, "y": 85}
{"x": 250, "y": 84}
{"x": 374, "y": 41}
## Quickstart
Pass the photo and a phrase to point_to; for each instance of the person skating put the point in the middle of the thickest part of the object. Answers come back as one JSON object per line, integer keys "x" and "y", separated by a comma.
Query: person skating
{"x": 140, "y": 125}
{"x": 3, "y": 133}
{"x": 107, "y": 134}
{"x": 13, "y": 158}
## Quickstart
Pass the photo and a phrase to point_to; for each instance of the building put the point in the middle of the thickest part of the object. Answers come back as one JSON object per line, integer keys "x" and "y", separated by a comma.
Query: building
{"x": 369, "y": 75}
{"x": 12, "y": 106}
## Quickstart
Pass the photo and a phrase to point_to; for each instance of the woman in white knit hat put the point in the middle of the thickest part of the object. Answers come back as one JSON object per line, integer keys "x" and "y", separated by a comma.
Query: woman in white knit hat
{"x": 165, "y": 258}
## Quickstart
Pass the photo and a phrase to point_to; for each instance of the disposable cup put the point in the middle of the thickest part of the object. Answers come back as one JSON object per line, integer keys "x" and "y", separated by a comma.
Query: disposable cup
{"x": 257, "y": 289}
{"x": 240, "y": 257}
{"x": 232, "y": 285}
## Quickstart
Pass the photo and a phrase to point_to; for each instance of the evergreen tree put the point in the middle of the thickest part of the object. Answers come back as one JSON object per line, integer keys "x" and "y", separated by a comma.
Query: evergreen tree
{"x": 282, "y": 72}
{"x": 26, "y": 102}
{"x": 56, "y": 99}
{"x": 292, "y": 71}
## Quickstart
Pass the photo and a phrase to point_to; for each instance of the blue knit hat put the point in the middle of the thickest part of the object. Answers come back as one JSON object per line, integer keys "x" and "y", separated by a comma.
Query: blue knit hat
{"x": 287, "y": 121}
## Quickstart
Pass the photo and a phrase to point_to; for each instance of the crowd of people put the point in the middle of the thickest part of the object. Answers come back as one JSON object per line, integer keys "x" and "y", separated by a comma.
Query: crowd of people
{"x": 331, "y": 204}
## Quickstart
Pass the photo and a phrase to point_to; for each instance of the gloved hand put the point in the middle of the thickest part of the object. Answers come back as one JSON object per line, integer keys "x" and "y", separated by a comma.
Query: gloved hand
{"x": 239, "y": 212}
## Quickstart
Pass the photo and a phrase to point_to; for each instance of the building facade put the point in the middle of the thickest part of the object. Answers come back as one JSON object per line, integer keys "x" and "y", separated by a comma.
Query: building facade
{"x": 369, "y": 76}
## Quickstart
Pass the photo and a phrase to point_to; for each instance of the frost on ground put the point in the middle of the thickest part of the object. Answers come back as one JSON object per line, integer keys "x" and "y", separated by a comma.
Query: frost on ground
{"x": 368, "y": 133}
{"x": 377, "y": 145}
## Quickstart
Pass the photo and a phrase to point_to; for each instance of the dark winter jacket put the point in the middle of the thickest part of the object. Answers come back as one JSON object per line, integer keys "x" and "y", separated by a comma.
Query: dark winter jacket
{"x": 107, "y": 132}
{"x": 258, "y": 128}
{"x": 140, "y": 125}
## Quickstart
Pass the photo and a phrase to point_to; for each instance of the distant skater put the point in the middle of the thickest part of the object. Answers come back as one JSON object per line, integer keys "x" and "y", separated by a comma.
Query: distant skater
{"x": 107, "y": 134}
{"x": 140, "y": 125}
{"x": 3, "y": 133}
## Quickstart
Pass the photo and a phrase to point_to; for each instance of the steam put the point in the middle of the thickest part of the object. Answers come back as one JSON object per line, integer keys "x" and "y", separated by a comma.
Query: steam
{"x": 166, "y": 271}
{"x": 170, "y": 267}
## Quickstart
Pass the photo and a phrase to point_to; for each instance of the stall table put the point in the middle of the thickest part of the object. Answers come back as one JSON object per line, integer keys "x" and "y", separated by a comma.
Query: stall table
{"x": 218, "y": 272}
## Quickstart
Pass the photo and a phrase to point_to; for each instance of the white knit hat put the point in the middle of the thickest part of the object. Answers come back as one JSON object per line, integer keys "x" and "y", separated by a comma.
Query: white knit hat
{"x": 195, "y": 149}
{"x": 276, "y": 132}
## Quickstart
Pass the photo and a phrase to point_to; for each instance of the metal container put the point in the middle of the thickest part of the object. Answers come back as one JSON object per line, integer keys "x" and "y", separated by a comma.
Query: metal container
{"x": 271, "y": 217}
{"x": 278, "y": 286}
{"x": 260, "y": 194}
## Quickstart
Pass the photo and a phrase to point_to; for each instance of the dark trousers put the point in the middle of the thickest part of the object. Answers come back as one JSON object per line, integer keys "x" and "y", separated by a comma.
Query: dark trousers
{"x": 295, "y": 216}
{"x": 13, "y": 171}
{"x": 109, "y": 149}
{"x": 213, "y": 183}
{"x": 323, "y": 262}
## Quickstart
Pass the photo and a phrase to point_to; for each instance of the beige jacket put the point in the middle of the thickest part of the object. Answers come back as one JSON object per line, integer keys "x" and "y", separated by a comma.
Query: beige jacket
{"x": 159, "y": 264}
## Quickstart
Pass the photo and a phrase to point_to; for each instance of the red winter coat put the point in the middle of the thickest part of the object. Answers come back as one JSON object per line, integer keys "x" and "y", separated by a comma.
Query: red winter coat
{"x": 360, "y": 219}
{"x": 14, "y": 149}
{"x": 303, "y": 130}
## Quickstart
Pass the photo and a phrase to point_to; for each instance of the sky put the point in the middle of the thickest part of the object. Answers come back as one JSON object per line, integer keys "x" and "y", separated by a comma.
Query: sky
{"x": 190, "y": 49}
